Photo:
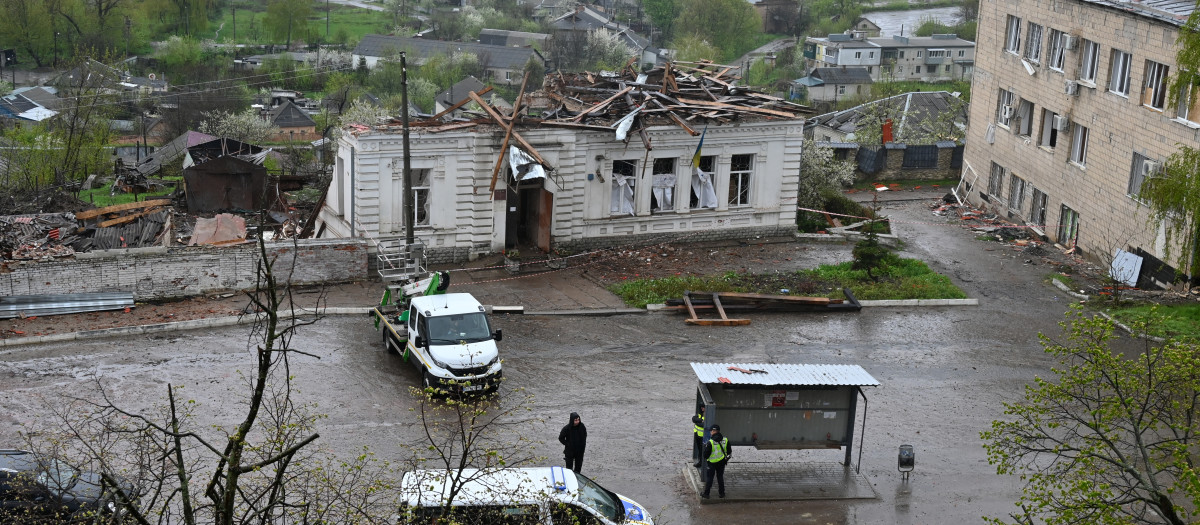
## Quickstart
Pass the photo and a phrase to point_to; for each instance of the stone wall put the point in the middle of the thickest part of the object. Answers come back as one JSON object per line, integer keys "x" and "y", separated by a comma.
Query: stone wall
{"x": 165, "y": 273}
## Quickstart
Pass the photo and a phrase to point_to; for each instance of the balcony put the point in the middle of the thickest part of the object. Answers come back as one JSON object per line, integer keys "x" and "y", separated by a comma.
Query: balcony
{"x": 936, "y": 60}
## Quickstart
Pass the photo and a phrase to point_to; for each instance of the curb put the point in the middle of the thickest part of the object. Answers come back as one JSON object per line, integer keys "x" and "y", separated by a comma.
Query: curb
{"x": 214, "y": 322}
{"x": 1059, "y": 284}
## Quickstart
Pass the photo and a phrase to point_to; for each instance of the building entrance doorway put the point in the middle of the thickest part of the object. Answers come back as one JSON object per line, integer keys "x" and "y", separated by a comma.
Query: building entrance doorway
{"x": 528, "y": 219}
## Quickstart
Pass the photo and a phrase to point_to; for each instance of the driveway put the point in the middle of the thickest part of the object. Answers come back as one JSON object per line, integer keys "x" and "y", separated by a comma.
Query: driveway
{"x": 944, "y": 373}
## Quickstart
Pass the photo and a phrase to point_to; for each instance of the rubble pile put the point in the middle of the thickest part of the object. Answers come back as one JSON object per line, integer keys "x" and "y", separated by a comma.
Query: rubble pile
{"x": 38, "y": 237}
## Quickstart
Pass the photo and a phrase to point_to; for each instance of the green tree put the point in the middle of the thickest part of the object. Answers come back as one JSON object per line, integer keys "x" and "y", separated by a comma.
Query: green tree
{"x": 1111, "y": 438}
{"x": 729, "y": 25}
{"x": 28, "y": 29}
{"x": 286, "y": 18}
{"x": 663, "y": 14}
{"x": 693, "y": 48}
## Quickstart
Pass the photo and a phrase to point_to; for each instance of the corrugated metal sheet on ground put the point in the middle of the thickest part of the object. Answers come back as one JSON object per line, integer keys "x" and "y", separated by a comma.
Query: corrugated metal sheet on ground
{"x": 39, "y": 305}
{"x": 785, "y": 374}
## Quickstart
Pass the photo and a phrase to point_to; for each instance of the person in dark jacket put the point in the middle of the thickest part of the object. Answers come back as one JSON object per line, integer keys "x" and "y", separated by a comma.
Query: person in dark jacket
{"x": 717, "y": 452}
{"x": 574, "y": 440}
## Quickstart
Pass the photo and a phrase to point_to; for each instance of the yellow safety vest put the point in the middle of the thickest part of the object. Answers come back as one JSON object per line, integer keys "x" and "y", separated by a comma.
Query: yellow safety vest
{"x": 718, "y": 450}
{"x": 699, "y": 429}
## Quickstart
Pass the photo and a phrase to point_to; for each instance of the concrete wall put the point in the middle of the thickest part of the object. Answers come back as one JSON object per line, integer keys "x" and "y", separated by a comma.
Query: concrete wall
{"x": 1118, "y": 125}
{"x": 164, "y": 273}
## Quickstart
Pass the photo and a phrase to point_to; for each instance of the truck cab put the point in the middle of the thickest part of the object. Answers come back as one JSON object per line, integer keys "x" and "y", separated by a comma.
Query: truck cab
{"x": 450, "y": 339}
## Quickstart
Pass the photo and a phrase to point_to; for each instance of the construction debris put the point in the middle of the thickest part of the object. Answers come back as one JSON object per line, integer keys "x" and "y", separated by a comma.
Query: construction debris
{"x": 25, "y": 306}
{"x": 694, "y": 302}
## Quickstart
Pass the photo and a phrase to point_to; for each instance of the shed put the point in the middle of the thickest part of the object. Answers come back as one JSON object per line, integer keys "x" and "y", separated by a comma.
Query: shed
{"x": 783, "y": 406}
{"x": 225, "y": 183}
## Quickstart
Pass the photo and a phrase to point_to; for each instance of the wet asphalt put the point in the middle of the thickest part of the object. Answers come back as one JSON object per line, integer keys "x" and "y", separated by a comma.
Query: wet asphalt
{"x": 944, "y": 372}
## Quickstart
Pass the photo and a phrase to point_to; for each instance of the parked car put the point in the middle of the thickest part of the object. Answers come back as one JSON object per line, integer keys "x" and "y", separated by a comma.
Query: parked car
{"x": 39, "y": 489}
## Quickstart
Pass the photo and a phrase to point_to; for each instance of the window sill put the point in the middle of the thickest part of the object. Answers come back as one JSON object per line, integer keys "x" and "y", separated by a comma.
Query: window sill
{"x": 1119, "y": 94}
{"x": 1090, "y": 84}
{"x": 1077, "y": 165}
{"x": 1046, "y": 149}
{"x": 1152, "y": 108}
{"x": 1186, "y": 122}
{"x": 1058, "y": 70}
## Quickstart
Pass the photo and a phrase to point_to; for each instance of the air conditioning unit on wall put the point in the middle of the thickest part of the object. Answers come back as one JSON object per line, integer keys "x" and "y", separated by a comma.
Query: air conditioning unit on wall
{"x": 1061, "y": 123}
{"x": 1007, "y": 111}
{"x": 1150, "y": 167}
{"x": 1070, "y": 42}
{"x": 1072, "y": 88}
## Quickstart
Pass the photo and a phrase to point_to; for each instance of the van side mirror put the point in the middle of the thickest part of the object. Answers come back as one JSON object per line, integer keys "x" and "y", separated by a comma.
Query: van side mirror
{"x": 419, "y": 342}
{"x": 498, "y": 334}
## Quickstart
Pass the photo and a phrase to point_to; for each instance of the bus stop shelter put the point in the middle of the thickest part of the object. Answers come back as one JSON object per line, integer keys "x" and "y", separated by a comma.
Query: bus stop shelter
{"x": 785, "y": 407}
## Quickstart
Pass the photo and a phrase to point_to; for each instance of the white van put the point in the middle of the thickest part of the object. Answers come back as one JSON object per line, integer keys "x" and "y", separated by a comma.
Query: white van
{"x": 515, "y": 496}
{"x": 449, "y": 339}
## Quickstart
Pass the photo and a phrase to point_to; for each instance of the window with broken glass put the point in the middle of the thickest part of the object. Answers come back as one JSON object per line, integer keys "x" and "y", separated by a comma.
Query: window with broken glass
{"x": 1049, "y": 132}
{"x": 420, "y": 193}
{"x": 1025, "y": 118}
{"x": 1016, "y": 193}
{"x": 1012, "y": 39}
{"x": 740, "y": 171}
{"x": 1004, "y": 108}
{"x": 996, "y": 180}
{"x": 1079, "y": 145}
{"x": 662, "y": 194}
{"x": 1037, "y": 210}
{"x": 1058, "y": 49}
{"x": 1154, "y": 93}
{"x": 624, "y": 182}
{"x": 703, "y": 193}
{"x": 1118, "y": 72}
{"x": 1033, "y": 46}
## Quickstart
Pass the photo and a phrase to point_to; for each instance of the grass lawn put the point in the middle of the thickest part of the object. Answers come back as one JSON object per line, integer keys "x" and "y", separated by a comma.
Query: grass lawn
{"x": 355, "y": 21}
{"x": 100, "y": 197}
{"x": 1180, "y": 321}
{"x": 906, "y": 279}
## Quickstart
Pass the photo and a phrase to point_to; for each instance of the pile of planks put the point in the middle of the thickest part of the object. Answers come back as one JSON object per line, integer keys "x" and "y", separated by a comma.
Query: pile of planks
{"x": 720, "y": 302}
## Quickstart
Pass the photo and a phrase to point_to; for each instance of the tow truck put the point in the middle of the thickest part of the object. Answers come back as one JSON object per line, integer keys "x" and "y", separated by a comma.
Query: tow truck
{"x": 447, "y": 336}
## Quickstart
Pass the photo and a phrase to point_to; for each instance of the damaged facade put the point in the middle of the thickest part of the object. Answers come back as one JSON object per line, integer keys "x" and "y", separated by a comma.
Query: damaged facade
{"x": 597, "y": 190}
{"x": 1072, "y": 113}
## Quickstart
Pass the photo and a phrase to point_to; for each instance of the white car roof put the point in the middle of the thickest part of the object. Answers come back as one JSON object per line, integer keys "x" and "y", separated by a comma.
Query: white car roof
{"x": 509, "y": 486}
{"x": 447, "y": 304}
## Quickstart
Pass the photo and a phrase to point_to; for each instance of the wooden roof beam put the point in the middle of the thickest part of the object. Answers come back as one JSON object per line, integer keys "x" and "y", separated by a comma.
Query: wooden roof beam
{"x": 500, "y": 120}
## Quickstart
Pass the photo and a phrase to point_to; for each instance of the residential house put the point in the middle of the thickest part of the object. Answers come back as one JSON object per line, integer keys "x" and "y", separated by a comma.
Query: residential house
{"x": 500, "y": 63}
{"x": 866, "y": 27}
{"x": 774, "y": 13}
{"x": 30, "y": 104}
{"x": 460, "y": 91}
{"x": 831, "y": 84}
{"x": 591, "y": 188}
{"x": 933, "y": 58}
{"x": 293, "y": 123}
{"x": 1072, "y": 113}
{"x": 571, "y": 29}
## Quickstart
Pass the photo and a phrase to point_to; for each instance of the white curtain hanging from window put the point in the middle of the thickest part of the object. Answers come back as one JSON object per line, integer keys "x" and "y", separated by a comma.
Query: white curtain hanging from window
{"x": 664, "y": 190}
{"x": 703, "y": 186}
{"x": 622, "y": 195}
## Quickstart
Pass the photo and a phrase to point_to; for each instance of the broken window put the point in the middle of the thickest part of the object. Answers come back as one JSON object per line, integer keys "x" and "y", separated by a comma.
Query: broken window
{"x": 1016, "y": 193}
{"x": 662, "y": 194}
{"x": 1068, "y": 227}
{"x": 1058, "y": 49}
{"x": 1049, "y": 131}
{"x": 1012, "y": 32}
{"x": 1089, "y": 61}
{"x": 1037, "y": 210}
{"x": 1154, "y": 93}
{"x": 739, "y": 180}
{"x": 996, "y": 180}
{"x": 703, "y": 194}
{"x": 1118, "y": 73}
{"x": 420, "y": 189}
{"x": 1188, "y": 105}
{"x": 1004, "y": 108}
{"x": 1143, "y": 168}
{"x": 623, "y": 181}
{"x": 1033, "y": 46}
{"x": 1079, "y": 144}
{"x": 1025, "y": 118}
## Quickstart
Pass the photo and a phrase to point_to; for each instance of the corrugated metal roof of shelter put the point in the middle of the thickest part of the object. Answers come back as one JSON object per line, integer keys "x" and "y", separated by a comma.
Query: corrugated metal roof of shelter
{"x": 785, "y": 374}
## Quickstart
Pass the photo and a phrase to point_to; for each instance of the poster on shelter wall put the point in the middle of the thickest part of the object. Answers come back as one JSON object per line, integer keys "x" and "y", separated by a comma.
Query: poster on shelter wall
{"x": 775, "y": 399}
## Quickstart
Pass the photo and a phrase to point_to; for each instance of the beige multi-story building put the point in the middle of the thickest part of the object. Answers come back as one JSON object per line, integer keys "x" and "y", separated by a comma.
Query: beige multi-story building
{"x": 1071, "y": 113}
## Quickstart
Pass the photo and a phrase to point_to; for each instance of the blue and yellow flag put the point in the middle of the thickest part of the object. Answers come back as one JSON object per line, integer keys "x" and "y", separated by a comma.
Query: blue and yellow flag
{"x": 696, "y": 157}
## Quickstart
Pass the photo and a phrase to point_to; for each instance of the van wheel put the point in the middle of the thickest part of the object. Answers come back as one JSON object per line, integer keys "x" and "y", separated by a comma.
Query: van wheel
{"x": 428, "y": 382}
{"x": 387, "y": 343}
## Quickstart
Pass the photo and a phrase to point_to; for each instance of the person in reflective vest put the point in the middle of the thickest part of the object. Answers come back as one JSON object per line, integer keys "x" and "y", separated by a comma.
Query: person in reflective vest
{"x": 717, "y": 450}
{"x": 697, "y": 435}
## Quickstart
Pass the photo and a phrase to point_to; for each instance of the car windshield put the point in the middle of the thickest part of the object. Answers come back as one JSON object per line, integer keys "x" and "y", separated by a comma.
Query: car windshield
{"x": 56, "y": 476}
{"x": 471, "y": 328}
{"x": 600, "y": 499}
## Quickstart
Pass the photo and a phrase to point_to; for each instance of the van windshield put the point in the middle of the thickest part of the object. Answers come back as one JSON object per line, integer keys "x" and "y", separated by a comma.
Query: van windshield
{"x": 600, "y": 499}
{"x": 449, "y": 329}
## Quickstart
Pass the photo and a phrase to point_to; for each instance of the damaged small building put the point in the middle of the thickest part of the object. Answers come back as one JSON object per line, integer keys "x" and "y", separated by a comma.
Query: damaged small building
{"x": 592, "y": 160}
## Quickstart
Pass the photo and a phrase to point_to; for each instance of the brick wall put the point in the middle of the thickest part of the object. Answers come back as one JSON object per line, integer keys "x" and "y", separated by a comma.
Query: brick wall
{"x": 164, "y": 273}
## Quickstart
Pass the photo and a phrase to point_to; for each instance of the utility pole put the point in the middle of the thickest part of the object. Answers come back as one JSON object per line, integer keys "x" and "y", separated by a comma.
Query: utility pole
{"x": 409, "y": 212}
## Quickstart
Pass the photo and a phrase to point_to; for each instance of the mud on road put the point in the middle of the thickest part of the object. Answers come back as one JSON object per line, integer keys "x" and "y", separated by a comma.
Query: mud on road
{"x": 944, "y": 374}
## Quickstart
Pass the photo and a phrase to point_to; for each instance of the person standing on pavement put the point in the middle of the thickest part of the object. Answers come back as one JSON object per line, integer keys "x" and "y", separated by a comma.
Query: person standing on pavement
{"x": 698, "y": 435}
{"x": 716, "y": 449}
{"x": 574, "y": 440}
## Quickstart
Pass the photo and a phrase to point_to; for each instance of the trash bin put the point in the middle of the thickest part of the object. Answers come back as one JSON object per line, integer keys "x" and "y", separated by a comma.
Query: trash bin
{"x": 906, "y": 461}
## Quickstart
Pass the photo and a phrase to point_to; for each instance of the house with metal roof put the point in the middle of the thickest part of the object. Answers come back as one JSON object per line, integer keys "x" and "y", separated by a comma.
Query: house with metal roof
{"x": 30, "y": 104}
{"x": 502, "y": 37}
{"x": 293, "y": 123}
{"x": 502, "y": 63}
{"x": 831, "y": 84}
{"x": 1072, "y": 111}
